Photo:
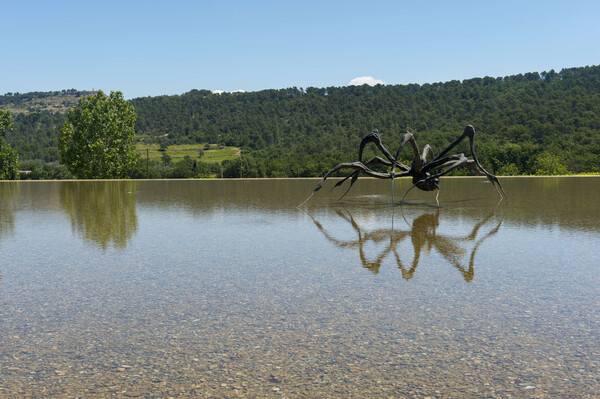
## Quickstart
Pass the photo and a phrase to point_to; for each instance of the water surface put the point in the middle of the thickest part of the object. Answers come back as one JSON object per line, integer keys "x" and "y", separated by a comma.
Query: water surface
{"x": 226, "y": 289}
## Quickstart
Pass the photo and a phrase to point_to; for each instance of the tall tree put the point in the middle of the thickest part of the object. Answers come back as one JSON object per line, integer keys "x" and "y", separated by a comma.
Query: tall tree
{"x": 9, "y": 159}
{"x": 96, "y": 141}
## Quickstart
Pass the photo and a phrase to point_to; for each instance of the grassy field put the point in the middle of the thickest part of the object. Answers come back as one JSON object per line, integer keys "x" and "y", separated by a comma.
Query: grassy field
{"x": 178, "y": 152}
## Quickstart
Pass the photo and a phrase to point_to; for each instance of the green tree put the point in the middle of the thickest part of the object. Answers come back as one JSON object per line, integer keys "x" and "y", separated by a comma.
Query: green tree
{"x": 508, "y": 170}
{"x": 163, "y": 145}
{"x": 9, "y": 158}
{"x": 166, "y": 159}
{"x": 549, "y": 164}
{"x": 184, "y": 169}
{"x": 96, "y": 140}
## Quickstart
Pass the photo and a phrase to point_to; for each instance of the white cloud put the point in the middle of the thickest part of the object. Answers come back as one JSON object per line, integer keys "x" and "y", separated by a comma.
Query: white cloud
{"x": 369, "y": 80}
{"x": 223, "y": 91}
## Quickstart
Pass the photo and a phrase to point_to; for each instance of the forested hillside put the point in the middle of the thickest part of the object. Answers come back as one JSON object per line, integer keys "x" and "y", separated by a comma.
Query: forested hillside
{"x": 38, "y": 117}
{"x": 524, "y": 123}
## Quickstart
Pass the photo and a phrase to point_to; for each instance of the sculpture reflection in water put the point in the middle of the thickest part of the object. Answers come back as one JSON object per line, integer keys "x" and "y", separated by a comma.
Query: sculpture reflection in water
{"x": 423, "y": 237}
{"x": 102, "y": 212}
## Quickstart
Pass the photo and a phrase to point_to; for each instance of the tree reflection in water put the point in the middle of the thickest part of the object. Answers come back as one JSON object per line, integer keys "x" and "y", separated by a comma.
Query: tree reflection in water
{"x": 102, "y": 212}
{"x": 9, "y": 192}
{"x": 423, "y": 236}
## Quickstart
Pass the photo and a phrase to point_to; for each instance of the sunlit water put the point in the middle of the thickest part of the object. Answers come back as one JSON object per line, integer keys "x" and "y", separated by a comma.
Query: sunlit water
{"x": 226, "y": 289}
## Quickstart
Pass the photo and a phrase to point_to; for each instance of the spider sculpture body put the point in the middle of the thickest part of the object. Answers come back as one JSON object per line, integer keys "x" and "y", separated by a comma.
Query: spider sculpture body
{"x": 425, "y": 174}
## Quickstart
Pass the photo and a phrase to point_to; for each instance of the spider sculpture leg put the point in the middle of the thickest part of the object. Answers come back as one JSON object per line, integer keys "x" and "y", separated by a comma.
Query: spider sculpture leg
{"x": 426, "y": 150}
{"x": 375, "y": 138}
{"x": 448, "y": 161}
{"x": 500, "y": 190}
{"x": 470, "y": 133}
{"x": 354, "y": 175}
{"x": 408, "y": 138}
{"x": 357, "y": 166}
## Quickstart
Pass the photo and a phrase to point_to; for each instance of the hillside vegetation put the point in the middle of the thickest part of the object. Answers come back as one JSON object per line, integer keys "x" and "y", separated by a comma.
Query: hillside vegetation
{"x": 37, "y": 101}
{"x": 526, "y": 124}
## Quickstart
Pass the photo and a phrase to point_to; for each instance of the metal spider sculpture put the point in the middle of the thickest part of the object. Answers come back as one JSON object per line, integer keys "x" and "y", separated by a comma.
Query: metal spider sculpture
{"x": 425, "y": 174}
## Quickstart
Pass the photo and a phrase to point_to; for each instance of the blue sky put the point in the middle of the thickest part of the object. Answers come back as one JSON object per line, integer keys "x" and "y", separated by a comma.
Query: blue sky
{"x": 149, "y": 48}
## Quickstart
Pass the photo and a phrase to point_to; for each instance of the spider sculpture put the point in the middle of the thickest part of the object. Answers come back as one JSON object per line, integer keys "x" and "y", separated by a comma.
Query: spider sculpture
{"x": 425, "y": 174}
